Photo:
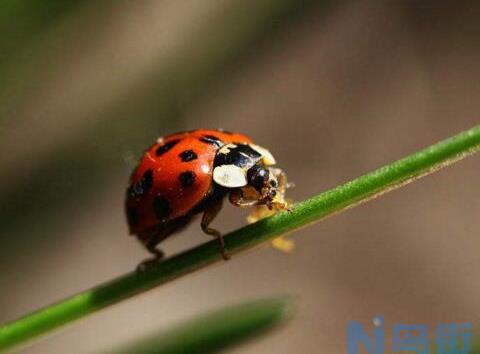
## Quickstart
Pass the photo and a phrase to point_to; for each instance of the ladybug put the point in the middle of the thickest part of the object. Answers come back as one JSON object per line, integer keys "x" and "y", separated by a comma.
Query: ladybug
{"x": 188, "y": 173}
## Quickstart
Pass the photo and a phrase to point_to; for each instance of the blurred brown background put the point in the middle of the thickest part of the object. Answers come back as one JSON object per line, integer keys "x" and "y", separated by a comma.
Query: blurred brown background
{"x": 333, "y": 89}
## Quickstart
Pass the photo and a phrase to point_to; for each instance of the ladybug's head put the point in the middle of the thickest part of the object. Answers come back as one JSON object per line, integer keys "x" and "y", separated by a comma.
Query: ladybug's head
{"x": 264, "y": 181}
{"x": 247, "y": 169}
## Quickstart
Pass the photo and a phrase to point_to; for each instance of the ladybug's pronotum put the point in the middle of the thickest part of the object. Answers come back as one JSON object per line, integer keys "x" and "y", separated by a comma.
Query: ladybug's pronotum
{"x": 188, "y": 173}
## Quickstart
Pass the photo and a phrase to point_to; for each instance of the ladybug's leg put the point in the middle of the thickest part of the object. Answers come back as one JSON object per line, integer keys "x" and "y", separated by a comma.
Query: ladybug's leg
{"x": 210, "y": 212}
{"x": 149, "y": 262}
{"x": 279, "y": 202}
{"x": 152, "y": 238}
{"x": 237, "y": 198}
{"x": 152, "y": 248}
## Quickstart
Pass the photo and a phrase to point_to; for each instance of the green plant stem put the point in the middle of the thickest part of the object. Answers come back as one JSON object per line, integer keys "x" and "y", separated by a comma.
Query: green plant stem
{"x": 314, "y": 209}
{"x": 217, "y": 330}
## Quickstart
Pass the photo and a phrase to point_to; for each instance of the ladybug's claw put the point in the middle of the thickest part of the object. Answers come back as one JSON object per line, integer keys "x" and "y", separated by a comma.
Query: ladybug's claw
{"x": 147, "y": 264}
{"x": 150, "y": 262}
{"x": 223, "y": 251}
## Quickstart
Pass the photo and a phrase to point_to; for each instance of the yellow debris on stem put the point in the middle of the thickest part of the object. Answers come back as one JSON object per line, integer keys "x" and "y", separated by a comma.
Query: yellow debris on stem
{"x": 281, "y": 243}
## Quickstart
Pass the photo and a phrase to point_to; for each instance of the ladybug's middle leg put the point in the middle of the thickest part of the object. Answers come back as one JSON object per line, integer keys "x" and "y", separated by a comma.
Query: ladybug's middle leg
{"x": 210, "y": 212}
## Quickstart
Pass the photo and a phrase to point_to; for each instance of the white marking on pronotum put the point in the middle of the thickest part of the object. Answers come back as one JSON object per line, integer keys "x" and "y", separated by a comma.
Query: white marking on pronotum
{"x": 230, "y": 176}
{"x": 225, "y": 149}
{"x": 267, "y": 157}
{"x": 160, "y": 140}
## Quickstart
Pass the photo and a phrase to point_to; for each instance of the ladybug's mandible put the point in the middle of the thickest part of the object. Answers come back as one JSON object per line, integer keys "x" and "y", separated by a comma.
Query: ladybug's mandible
{"x": 187, "y": 173}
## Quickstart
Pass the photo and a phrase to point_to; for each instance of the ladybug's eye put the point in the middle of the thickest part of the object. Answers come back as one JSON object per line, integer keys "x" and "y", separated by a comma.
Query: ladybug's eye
{"x": 257, "y": 176}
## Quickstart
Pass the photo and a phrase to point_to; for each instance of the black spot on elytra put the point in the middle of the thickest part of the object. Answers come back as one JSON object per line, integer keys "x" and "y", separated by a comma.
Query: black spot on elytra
{"x": 188, "y": 155}
{"x": 142, "y": 186}
{"x": 161, "y": 206}
{"x": 212, "y": 140}
{"x": 187, "y": 178}
{"x": 147, "y": 180}
{"x": 132, "y": 216}
{"x": 166, "y": 147}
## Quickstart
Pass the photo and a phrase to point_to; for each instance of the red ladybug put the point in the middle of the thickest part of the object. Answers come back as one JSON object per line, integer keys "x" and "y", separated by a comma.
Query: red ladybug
{"x": 187, "y": 173}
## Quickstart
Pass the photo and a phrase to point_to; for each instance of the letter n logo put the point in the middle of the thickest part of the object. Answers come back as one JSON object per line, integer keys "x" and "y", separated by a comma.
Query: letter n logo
{"x": 358, "y": 337}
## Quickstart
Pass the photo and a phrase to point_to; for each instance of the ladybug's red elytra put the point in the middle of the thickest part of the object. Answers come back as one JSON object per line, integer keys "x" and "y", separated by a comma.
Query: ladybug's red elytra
{"x": 187, "y": 173}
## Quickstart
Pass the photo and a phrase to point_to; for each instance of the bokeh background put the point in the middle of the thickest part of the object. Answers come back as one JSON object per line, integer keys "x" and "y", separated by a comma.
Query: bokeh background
{"x": 333, "y": 89}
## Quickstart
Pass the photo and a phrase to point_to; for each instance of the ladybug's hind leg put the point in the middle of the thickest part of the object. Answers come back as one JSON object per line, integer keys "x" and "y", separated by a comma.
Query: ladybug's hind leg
{"x": 149, "y": 262}
{"x": 153, "y": 237}
{"x": 210, "y": 212}
{"x": 158, "y": 254}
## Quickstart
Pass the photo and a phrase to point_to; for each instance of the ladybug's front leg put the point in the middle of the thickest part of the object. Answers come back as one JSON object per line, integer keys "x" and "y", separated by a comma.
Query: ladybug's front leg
{"x": 210, "y": 212}
{"x": 238, "y": 198}
{"x": 279, "y": 202}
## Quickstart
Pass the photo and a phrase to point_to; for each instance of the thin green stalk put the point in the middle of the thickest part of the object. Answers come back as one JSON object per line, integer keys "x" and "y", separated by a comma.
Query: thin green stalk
{"x": 215, "y": 331}
{"x": 340, "y": 198}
